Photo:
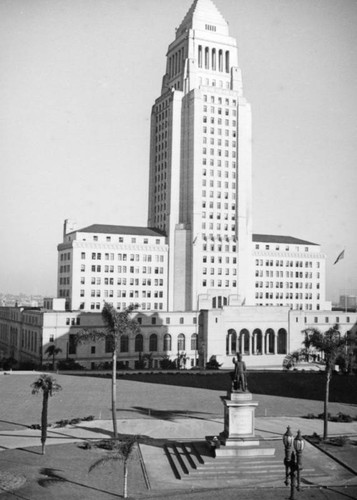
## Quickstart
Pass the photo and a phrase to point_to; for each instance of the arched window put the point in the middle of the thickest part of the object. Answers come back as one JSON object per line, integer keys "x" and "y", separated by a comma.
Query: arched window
{"x": 218, "y": 302}
{"x": 124, "y": 343}
{"x": 257, "y": 341}
{"x": 220, "y": 60}
{"x": 269, "y": 341}
{"x": 227, "y": 61}
{"x": 282, "y": 338}
{"x": 200, "y": 56}
{"x": 181, "y": 342}
{"x": 153, "y": 342}
{"x": 167, "y": 342}
{"x": 231, "y": 346}
{"x": 139, "y": 343}
{"x": 244, "y": 341}
{"x": 206, "y": 58}
{"x": 214, "y": 59}
{"x": 194, "y": 344}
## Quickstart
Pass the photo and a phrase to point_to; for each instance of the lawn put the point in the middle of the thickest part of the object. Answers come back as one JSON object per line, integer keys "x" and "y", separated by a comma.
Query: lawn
{"x": 301, "y": 385}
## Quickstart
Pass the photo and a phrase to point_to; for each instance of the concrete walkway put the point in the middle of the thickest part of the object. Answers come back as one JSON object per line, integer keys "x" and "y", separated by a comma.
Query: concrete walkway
{"x": 154, "y": 432}
{"x": 179, "y": 428}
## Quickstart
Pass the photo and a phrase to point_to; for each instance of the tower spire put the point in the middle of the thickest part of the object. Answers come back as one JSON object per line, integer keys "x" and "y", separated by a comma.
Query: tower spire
{"x": 201, "y": 14}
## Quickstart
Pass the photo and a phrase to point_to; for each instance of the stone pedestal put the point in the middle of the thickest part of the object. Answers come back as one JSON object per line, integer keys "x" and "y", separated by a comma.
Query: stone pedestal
{"x": 239, "y": 416}
{"x": 238, "y": 438}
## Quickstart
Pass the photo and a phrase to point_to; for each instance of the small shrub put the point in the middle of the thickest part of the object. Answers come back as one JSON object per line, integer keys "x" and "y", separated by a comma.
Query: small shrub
{"x": 88, "y": 419}
{"x": 316, "y": 437}
{"x": 106, "y": 444}
{"x": 167, "y": 364}
{"x": 213, "y": 364}
{"x": 310, "y": 416}
{"x": 338, "y": 441}
{"x": 86, "y": 445}
{"x": 69, "y": 364}
{"x": 342, "y": 417}
{"x": 62, "y": 423}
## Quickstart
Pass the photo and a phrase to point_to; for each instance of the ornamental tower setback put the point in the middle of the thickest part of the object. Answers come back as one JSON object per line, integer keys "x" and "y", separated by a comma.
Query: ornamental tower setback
{"x": 200, "y": 166}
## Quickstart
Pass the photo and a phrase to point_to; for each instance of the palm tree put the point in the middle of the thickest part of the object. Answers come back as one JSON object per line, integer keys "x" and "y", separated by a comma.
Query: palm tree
{"x": 52, "y": 350}
{"x": 48, "y": 386}
{"x": 116, "y": 324}
{"x": 332, "y": 344}
{"x": 121, "y": 450}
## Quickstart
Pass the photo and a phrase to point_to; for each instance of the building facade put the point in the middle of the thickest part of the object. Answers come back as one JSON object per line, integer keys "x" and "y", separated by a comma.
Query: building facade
{"x": 200, "y": 163}
{"x": 117, "y": 264}
{"x": 264, "y": 335}
{"x": 289, "y": 272}
{"x": 125, "y": 264}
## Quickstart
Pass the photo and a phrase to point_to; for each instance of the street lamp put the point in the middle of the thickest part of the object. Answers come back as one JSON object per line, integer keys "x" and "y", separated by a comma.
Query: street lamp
{"x": 293, "y": 465}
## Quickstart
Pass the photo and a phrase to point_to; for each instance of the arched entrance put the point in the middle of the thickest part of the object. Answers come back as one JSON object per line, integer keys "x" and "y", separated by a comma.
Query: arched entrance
{"x": 231, "y": 342}
{"x": 282, "y": 341}
{"x": 244, "y": 341}
{"x": 257, "y": 342}
{"x": 269, "y": 341}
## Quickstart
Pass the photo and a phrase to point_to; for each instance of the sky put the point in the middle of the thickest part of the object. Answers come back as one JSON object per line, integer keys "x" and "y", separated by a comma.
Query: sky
{"x": 77, "y": 82}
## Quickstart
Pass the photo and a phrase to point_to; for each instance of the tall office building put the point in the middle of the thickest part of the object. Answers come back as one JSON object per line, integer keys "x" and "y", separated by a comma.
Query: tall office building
{"x": 200, "y": 166}
{"x": 199, "y": 233}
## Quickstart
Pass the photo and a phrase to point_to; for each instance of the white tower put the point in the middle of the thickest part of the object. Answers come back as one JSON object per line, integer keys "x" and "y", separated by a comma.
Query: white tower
{"x": 200, "y": 166}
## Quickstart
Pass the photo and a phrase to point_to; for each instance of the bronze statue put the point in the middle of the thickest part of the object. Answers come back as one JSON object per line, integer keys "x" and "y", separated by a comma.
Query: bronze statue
{"x": 239, "y": 375}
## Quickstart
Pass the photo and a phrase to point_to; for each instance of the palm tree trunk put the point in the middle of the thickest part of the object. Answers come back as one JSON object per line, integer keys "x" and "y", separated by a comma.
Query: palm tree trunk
{"x": 125, "y": 492}
{"x": 327, "y": 391}
{"x": 114, "y": 394}
{"x": 44, "y": 420}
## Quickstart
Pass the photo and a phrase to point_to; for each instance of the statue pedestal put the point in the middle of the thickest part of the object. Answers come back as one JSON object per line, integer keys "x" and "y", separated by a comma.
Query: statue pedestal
{"x": 239, "y": 416}
{"x": 238, "y": 437}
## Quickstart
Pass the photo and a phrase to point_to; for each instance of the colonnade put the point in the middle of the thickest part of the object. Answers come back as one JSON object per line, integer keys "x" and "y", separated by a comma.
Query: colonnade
{"x": 256, "y": 342}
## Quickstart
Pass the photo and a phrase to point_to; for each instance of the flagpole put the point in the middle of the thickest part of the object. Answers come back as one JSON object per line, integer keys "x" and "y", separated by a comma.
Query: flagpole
{"x": 345, "y": 281}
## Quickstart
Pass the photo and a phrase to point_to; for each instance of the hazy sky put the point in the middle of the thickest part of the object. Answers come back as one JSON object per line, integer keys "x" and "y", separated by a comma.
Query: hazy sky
{"x": 77, "y": 82}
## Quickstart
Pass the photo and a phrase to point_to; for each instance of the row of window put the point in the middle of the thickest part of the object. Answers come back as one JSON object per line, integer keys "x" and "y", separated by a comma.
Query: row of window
{"x": 218, "y": 227}
{"x": 213, "y": 99}
{"x": 288, "y": 296}
{"x": 286, "y": 263}
{"x": 137, "y": 257}
{"x": 123, "y": 281}
{"x": 288, "y": 274}
{"x": 218, "y": 246}
{"x": 213, "y": 59}
{"x": 144, "y": 306}
{"x": 124, "y": 269}
{"x": 288, "y": 248}
{"x": 145, "y": 294}
{"x": 219, "y": 271}
{"x": 219, "y": 283}
{"x": 288, "y": 284}
{"x": 122, "y": 239}
{"x": 218, "y": 195}
{"x": 218, "y": 184}
{"x": 219, "y": 121}
{"x": 65, "y": 256}
{"x": 29, "y": 340}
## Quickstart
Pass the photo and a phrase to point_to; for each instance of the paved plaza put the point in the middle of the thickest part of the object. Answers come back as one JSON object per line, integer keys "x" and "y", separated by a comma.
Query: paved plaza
{"x": 164, "y": 417}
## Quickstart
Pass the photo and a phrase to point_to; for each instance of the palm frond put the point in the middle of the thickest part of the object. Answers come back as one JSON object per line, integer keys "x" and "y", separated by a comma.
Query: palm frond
{"x": 45, "y": 383}
{"x": 103, "y": 460}
{"x": 51, "y": 477}
{"x": 122, "y": 451}
{"x": 84, "y": 336}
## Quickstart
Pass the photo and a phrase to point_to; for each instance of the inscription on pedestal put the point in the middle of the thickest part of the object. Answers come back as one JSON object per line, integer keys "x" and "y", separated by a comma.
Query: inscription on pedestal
{"x": 241, "y": 422}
